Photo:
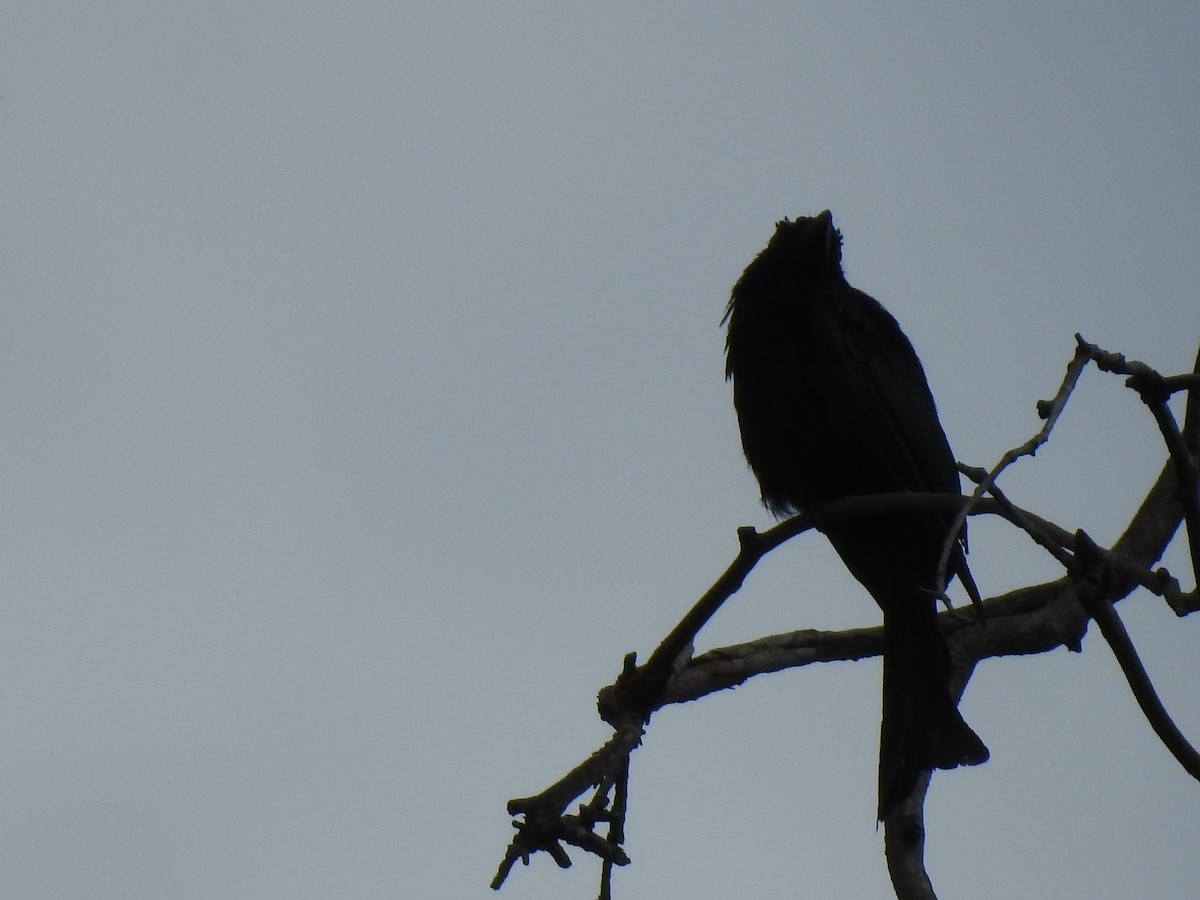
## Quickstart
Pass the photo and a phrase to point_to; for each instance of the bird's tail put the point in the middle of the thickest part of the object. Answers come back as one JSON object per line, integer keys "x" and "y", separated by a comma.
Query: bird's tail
{"x": 922, "y": 728}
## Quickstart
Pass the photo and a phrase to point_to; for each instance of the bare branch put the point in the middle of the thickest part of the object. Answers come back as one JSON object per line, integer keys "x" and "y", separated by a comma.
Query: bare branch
{"x": 1047, "y": 410}
{"x": 642, "y": 689}
{"x": 1033, "y": 619}
{"x": 904, "y": 846}
{"x": 545, "y": 825}
{"x": 1093, "y": 587}
{"x": 616, "y": 830}
{"x": 1155, "y": 390}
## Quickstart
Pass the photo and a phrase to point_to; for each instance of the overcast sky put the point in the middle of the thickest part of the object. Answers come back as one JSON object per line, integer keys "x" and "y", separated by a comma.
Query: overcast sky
{"x": 364, "y": 405}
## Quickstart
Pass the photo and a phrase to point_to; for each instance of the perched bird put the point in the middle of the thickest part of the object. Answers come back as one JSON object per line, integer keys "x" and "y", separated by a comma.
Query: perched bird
{"x": 832, "y": 403}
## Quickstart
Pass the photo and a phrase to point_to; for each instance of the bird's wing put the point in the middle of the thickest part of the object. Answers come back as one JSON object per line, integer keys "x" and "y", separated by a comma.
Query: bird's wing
{"x": 876, "y": 396}
{"x": 882, "y": 396}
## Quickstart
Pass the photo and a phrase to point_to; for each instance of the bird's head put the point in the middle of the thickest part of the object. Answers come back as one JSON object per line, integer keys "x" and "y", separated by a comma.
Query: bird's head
{"x": 810, "y": 242}
{"x": 802, "y": 252}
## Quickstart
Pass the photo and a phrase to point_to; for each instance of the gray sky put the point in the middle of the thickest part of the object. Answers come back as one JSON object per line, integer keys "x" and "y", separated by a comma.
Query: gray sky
{"x": 364, "y": 405}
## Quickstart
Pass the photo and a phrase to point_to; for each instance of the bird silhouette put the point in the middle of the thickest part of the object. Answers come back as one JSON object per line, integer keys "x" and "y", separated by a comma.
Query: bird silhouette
{"x": 832, "y": 403}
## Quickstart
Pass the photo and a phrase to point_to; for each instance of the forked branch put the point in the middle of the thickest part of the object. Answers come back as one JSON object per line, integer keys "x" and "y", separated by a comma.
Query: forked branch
{"x": 1033, "y": 619}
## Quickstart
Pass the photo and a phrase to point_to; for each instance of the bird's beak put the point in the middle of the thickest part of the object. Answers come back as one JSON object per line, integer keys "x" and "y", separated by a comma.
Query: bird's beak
{"x": 824, "y": 221}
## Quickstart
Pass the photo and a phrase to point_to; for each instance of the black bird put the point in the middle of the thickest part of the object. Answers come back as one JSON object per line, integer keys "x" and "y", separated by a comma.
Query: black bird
{"x": 832, "y": 403}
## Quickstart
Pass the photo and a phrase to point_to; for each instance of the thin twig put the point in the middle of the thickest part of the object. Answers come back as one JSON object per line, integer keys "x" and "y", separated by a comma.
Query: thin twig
{"x": 1094, "y": 590}
{"x": 1047, "y": 535}
{"x": 1155, "y": 390}
{"x": 1047, "y": 410}
{"x": 616, "y": 828}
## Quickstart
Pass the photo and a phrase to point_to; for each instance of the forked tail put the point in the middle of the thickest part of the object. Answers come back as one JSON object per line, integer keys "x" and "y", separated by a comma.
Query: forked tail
{"x": 922, "y": 728}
